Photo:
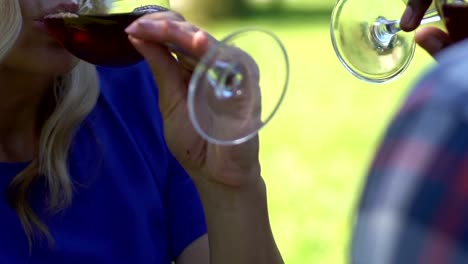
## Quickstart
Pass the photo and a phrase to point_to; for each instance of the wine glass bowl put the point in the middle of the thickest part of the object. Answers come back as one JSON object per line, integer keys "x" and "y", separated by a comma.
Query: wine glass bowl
{"x": 455, "y": 14}
{"x": 95, "y": 33}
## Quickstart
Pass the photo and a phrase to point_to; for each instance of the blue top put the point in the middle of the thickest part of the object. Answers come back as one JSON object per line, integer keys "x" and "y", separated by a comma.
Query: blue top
{"x": 133, "y": 203}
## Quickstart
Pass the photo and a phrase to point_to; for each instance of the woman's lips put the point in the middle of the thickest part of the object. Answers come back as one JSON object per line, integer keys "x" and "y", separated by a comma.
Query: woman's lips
{"x": 59, "y": 11}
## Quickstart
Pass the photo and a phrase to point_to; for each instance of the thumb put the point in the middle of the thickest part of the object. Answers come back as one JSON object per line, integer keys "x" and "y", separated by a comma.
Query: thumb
{"x": 166, "y": 72}
{"x": 432, "y": 39}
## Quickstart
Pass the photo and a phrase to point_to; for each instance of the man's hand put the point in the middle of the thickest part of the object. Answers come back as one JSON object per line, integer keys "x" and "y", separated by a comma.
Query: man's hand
{"x": 432, "y": 39}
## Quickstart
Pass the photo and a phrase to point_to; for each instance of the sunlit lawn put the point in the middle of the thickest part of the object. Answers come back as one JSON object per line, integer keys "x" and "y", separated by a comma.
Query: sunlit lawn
{"x": 315, "y": 152}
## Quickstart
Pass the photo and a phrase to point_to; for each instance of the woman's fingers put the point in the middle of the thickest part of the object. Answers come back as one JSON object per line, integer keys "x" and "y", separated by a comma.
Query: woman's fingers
{"x": 184, "y": 36}
{"x": 169, "y": 15}
{"x": 432, "y": 39}
{"x": 156, "y": 36}
{"x": 169, "y": 29}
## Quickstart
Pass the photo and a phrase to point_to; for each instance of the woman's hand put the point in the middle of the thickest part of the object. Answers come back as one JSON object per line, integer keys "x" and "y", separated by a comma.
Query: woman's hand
{"x": 432, "y": 39}
{"x": 228, "y": 178}
{"x": 234, "y": 166}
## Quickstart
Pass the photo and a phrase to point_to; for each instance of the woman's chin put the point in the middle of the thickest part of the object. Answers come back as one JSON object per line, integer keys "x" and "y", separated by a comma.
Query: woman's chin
{"x": 65, "y": 66}
{"x": 63, "y": 60}
{"x": 57, "y": 62}
{"x": 43, "y": 62}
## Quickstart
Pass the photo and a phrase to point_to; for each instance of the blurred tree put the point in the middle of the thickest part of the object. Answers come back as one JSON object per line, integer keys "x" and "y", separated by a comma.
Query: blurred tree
{"x": 209, "y": 10}
{"x": 277, "y": 5}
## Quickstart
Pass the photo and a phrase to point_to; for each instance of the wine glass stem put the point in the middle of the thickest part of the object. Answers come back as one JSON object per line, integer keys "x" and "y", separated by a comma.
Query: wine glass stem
{"x": 383, "y": 30}
{"x": 224, "y": 77}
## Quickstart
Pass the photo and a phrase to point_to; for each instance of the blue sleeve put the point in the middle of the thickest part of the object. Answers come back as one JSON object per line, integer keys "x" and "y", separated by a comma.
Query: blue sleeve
{"x": 133, "y": 93}
{"x": 185, "y": 212}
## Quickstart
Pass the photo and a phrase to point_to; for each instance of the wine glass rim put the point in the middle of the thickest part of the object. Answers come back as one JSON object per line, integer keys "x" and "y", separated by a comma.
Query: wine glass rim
{"x": 375, "y": 80}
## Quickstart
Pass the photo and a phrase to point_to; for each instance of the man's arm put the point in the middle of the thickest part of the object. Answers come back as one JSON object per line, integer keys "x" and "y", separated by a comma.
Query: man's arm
{"x": 414, "y": 207}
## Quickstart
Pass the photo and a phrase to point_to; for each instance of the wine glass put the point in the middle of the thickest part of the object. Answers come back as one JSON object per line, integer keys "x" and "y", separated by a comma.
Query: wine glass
{"x": 235, "y": 89}
{"x": 368, "y": 41}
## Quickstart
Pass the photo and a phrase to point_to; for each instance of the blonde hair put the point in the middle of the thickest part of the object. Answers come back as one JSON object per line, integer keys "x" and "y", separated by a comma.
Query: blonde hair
{"x": 74, "y": 96}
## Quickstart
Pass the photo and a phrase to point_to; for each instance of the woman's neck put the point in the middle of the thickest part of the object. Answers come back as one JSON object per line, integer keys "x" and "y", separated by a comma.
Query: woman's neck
{"x": 21, "y": 98}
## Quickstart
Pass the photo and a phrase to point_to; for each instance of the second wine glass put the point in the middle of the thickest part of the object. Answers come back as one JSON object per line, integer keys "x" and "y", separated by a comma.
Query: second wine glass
{"x": 368, "y": 41}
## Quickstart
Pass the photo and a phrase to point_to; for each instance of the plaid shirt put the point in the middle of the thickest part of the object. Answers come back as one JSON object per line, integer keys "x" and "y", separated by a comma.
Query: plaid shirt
{"x": 414, "y": 208}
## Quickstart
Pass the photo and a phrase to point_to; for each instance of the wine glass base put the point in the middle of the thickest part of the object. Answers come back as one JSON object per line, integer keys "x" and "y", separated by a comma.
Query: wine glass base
{"x": 353, "y": 29}
{"x": 238, "y": 86}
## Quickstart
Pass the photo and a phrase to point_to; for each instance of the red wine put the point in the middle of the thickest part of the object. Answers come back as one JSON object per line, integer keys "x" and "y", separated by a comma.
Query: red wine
{"x": 456, "y": 18}
{"x": 98, "y": 39}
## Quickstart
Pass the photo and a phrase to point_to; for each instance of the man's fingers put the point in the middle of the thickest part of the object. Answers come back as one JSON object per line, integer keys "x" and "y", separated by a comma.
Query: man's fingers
{"x": 414, "y": 13}
{"x": 432, "y": 39}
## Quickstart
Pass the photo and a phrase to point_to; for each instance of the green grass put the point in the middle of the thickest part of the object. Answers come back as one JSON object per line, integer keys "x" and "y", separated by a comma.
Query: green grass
{"x": 296, "y": 4}
{"x": 316, "y": 150}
